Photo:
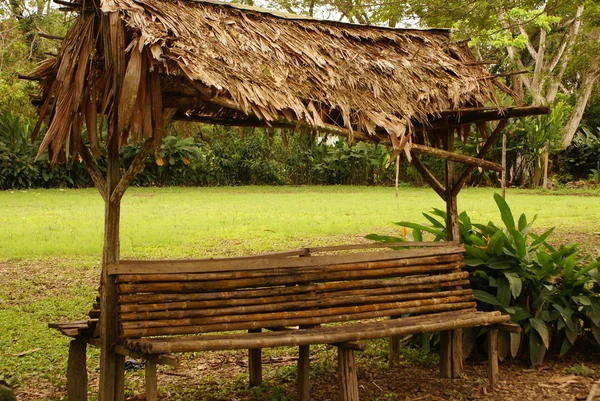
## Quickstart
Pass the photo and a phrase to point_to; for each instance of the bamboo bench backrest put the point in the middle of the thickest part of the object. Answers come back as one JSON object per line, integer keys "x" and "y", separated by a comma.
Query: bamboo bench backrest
{"x": 193, "y": 297}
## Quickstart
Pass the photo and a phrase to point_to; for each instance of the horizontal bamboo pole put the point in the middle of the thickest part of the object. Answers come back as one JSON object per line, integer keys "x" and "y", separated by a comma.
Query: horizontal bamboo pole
{"x": 190, "y": 301}
{"x": 456, "y": 157}
{"x": 292, "y": 321}
{"x": 291, "y": 305}
{"x": 365, "y": 325}
{"x": 275, "y": 271}
{"x": 316, "y": 336}
{"x": 321, "y": 276}
{"x": 207, "y": 266}
{"x": 315, "y": 287}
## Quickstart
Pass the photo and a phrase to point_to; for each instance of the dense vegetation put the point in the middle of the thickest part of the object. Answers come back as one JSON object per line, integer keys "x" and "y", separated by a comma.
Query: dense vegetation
{"x": 553, "y": 293}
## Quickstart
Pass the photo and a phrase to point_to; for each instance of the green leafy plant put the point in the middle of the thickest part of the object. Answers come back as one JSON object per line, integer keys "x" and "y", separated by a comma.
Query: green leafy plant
{"x": 552, "y": 293}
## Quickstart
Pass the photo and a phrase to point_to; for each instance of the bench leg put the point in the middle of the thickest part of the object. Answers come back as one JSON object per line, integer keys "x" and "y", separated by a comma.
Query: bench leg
{"x": 77, "y": 378}
{"x": 394, "y": 351}
{"x": 151, "y": 381}
{"x": 120, "y": 378}
{"x": 451, "y": 365}
{"x": 255, "y": 363}
{"x": 493, "y": 357}
{"x": 302, "y": 382}
{"x": 347, "y": 375}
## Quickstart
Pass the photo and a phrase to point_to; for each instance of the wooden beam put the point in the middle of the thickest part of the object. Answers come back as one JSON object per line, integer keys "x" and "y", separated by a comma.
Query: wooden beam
{"x": 347, "y": 375}
{"x": 429, "y": 177}
{"x": 303, "y": 378}
{"x": 444, "y": 154}
{"x": 77, "y": 378}
{"x": 93, "y": 171}
{"x": 480, "y": 155}
{"x": 255, "y": 363}
{"x": 151, "y": 381}
{"x": 493, "y": 357}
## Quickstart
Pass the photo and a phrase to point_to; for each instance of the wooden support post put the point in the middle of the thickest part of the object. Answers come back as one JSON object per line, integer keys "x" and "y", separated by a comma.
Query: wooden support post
{"x": 446, "y": 354}
{"x": 77, "y": 379}
{"x": 493, "y": 357}
{"x": 151, "y": 381}
{"x": 109, "y": 325}
{"x": 120, "y": 377}
{"x": 394, "y": 350}
{"x": 347, "y": 375}
{"x": 454, "y": 343}
{"x": 504, "y": 166}
{"x": 255, "y": 363}
{"x": 302, "y": 381}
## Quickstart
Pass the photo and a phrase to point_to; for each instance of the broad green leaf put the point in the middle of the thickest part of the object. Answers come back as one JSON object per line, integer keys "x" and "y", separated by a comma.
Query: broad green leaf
{"x": 496, "y": 244}
{"x": 565, "y": 347}
{"x": 571, "y": 334}
{"x": 520, "y": 245}
{"x": 515, "y": 343}
{"x": 520, "y": 314}
{"x": 515, "y": 283}
{"x": 540, "y": 327}
{"x": 505, "y": 212}
{"x": 432, "y": 230}
{"x": 499, "y": 263}
{"x": 486, "y": 297}
{"x": 537, "y": 348}
{"x": 417, "y": 235}
{"x": 476, "y": 252}
{"x": 538, "y": 240}
{"x": 522, "y": 222}
{"x": 503, "y": 291}
{"x": 435, "y": 222}
{"x": 384, "y": 238}
{"x": 473, "y": 261}
{"x": 566, "y": 314}
{"x": 594, "y": 313}
{"x": 582, "y": 300}
{"x": 466, "y": 221}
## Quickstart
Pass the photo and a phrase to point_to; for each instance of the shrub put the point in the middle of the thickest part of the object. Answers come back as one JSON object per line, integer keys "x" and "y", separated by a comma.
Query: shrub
{"x": 552, "y": 293}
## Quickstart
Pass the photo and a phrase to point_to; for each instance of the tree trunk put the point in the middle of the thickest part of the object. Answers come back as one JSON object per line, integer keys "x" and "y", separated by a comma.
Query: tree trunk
{"x": 108, "y": 293}
{"x": 585, "y": 90}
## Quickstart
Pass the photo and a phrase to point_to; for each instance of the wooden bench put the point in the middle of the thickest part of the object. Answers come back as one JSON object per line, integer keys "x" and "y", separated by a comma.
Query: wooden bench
{"x": 290, "y": 299}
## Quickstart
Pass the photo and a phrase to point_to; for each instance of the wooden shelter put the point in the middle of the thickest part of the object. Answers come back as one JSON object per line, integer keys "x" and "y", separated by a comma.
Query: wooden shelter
{"x": 126, "y": 68}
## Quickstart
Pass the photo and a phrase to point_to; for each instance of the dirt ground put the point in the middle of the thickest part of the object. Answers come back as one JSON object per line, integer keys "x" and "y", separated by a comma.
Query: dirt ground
{"x": 220, "y": 376}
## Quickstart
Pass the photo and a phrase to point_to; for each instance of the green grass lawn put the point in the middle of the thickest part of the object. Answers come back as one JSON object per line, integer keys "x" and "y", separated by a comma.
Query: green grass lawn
{"x": 51, "y": 244}
{"x": 197, "y": 222}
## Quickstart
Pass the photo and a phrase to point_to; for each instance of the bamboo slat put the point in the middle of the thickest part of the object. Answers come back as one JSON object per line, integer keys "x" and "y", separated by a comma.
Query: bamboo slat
{"x": 408, "y": 284}
{"x": 318, "y": 336}
{"x": 408, "y": 266}
{"x": 193, "y": 302}
{"x": 291, "y": 304}
{"x": 289, "y": 279}
{"x": 291, "y": 321}
{"x": 205, "y": 266}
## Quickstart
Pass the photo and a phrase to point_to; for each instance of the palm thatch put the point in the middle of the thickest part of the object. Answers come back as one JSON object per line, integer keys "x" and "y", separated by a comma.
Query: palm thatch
{"x": 147, "y": 61}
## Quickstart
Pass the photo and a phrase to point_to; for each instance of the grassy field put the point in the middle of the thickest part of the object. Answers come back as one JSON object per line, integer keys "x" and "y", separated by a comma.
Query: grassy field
{"x": 195, "y": 222}
{"x": 51, "y": 244}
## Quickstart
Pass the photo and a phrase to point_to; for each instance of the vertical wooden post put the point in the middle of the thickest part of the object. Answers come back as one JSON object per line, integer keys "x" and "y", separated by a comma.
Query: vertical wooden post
{"x": 151, "y": 381}
{"x": 347, "y": 374}
{"x": 108, "y": 292}
{"x": 546, "y": 157}
{"x": 446, "y": 354}
{"x": 77, "y": 379}
{"x": 493, "y": 357}
{"x": 453, "y": 343}
{"x": 302, "y": 380}
{"x": 503, "y": 166}
{"x": 255, "y": 363}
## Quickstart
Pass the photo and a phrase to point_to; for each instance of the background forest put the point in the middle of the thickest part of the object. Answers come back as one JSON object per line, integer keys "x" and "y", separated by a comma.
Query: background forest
{"x": 553, "y": 46}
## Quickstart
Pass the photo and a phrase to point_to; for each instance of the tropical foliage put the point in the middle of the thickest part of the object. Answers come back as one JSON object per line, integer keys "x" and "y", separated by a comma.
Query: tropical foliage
{"x": 553, "y": 293}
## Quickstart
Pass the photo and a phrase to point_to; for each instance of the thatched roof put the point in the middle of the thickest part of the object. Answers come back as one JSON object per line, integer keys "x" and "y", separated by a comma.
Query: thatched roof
{"x": 231, "y": 64}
